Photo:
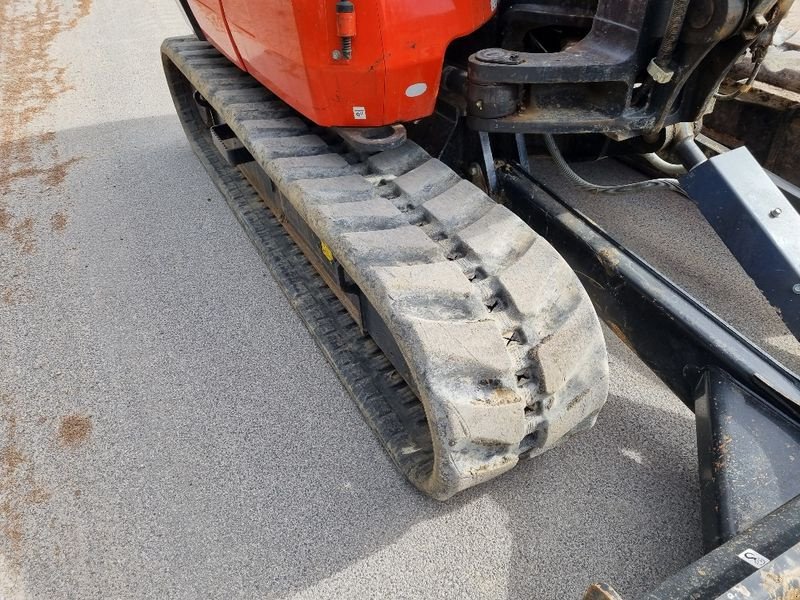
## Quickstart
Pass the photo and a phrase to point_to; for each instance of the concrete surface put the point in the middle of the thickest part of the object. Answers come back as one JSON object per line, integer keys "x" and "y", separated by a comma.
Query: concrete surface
{"x": 169, "y": 429}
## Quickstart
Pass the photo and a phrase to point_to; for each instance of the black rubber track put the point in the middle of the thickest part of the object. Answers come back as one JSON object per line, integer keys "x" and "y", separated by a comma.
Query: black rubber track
{"x": 377, "y": 388}
{"x": 498, "y": 338}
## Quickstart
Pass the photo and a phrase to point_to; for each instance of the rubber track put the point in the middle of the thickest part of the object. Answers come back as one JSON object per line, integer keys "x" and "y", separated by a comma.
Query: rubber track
{"x": 503, "y": 344}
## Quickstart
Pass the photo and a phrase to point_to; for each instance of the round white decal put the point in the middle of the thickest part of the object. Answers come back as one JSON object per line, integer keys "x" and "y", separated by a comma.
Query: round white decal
{"x": 416, "y": 89}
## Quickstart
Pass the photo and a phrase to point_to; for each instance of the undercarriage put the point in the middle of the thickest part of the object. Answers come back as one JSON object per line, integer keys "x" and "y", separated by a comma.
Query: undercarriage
{"x": 459, "y": 299}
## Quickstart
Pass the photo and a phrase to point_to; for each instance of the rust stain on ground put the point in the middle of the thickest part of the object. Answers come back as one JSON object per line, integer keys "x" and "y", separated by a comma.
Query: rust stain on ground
{"x": 31, "y": 82}
{"x": 10, "y": 459}
{"x": 37, "y": 495}
{"x": 22, "y": 234}
{"x": 84, "y": 8}
{"x": 12, "y": 527}
{"x": 18, "y": 486}
{"x": 74, "y": 430}
{"x": 29, "y": 166}
{"x": 55, "y": 175}
{"x": 5, "y": 219}
{"x": 15, "y": 294}
{"x": 58, "y": 222}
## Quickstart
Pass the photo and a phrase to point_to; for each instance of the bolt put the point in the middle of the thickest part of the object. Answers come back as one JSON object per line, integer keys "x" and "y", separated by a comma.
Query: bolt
{"x": 760, "y": 21}
{"x": 336, "y": 55}
{"x": 796, "y": 289}
{"x": 775, "y": 213}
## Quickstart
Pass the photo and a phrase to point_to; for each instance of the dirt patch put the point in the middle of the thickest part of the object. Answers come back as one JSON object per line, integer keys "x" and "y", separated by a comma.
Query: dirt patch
{"x": 5, "y": 219}
{"x": 55, "y": 175}
{"x": 37, "y": 495}
{"x": 74, "y": 430}
{"x": 84, "y": 8}
{"x": 58, "y": 222}
{"x": 22, "y": 234}
{"x": 31, "y": 82}
{"x": 10, "y": 459}
{"x": 15, "y": 294}
{"x": 13, "y": 524}
{"x": 18, "y": 486}
{"x": 50, "y": 176}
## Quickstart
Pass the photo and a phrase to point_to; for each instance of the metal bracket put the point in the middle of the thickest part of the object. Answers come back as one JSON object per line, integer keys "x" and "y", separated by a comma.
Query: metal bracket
{"x": 522, "y": 152}
{"x": 746, "y": 465}
{"x": 756, "y": 222}
{"x": 371, "y": 140}
{"x": 488, "y": 161}
{"x": 229, "y": 146}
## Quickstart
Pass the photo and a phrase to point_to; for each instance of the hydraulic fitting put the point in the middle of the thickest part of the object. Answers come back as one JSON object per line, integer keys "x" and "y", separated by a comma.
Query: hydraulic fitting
{"x": 346, "y": 26}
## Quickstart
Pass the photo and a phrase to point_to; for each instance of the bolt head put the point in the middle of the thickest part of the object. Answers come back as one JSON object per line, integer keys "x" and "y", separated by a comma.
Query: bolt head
{"x": 775, "y": 213}
{"x": 498, "y": 56}
{"x": 796, "y": 289}
{"x": 336, "y": 55}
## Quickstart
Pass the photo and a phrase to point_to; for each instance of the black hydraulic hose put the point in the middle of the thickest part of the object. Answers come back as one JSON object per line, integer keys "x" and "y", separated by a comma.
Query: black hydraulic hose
{"x": 677, "y": 16}
{"x": 626, "y": 188}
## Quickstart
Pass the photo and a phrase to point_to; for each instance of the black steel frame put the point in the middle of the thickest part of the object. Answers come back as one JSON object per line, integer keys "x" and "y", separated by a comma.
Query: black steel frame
{"x": 614, "y": 80}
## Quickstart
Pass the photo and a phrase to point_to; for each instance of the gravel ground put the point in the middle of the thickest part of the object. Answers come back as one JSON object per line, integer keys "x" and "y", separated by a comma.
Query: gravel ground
{"x": 169, "y": 429}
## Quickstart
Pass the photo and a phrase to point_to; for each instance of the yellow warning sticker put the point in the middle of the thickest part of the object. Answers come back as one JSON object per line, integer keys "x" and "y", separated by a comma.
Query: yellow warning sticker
{"x": 326, "y": 251}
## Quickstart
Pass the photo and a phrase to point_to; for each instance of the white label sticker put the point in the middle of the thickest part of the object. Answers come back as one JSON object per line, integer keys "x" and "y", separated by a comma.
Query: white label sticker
{"x": 754, "y": 558}
{"x": 359, "y": 112}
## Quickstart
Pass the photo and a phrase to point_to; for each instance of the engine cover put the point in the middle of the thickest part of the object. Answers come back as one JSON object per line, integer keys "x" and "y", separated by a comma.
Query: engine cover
{"x": 295, "y": 50}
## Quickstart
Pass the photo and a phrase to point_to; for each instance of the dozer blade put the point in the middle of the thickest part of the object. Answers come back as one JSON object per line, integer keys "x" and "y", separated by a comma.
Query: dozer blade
{"x": 475, "y": 313}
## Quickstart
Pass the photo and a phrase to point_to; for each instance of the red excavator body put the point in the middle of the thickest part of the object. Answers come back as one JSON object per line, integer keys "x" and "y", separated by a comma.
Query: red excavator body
{"x": 295, "y": 50}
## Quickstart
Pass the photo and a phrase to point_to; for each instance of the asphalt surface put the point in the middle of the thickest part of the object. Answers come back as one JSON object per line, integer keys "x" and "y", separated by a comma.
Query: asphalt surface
{"x": 169, "y": 429}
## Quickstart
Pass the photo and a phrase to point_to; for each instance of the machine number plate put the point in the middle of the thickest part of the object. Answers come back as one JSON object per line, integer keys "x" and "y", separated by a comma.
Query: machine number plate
{"x": 754, "y": 558}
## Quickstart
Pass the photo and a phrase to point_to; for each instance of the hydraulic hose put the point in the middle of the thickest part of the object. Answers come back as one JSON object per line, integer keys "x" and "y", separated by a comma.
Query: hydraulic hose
{"x": 662, "y": 165}
{"x": 626, "y": 188}
{"x": 677, "y": 16}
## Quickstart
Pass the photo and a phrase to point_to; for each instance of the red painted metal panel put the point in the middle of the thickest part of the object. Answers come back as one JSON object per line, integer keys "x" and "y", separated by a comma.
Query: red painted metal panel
{"x": 393, "y": 75}
{"x": 211, "y": 20}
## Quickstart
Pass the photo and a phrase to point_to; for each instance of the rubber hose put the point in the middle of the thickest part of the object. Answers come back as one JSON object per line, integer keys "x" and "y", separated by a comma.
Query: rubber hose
{"x": 662, "y": 165}
{"x": 626, "y": 188}
{"x": 677, "y": 16}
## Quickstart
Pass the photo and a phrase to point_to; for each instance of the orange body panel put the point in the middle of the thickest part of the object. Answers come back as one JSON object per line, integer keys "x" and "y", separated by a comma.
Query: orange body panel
{"x": 210, "y": 17}
{"x": 396, "y": 64}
